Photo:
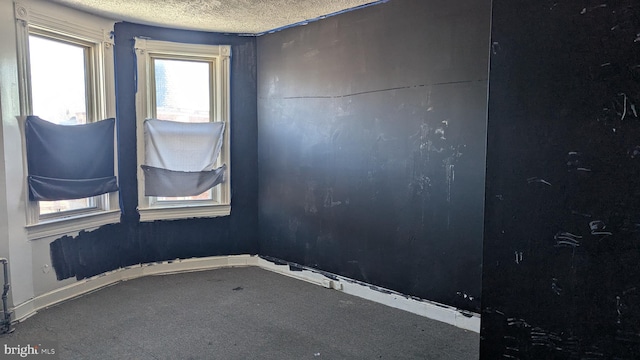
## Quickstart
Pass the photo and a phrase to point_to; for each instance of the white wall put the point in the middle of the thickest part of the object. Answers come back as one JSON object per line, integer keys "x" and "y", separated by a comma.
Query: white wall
{"x": 17, "y": 248}
{"x": 31, "y": 273}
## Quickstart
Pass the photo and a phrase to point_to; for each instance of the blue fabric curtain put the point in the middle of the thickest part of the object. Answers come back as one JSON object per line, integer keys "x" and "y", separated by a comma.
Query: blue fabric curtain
{"x": 69, "y": 162}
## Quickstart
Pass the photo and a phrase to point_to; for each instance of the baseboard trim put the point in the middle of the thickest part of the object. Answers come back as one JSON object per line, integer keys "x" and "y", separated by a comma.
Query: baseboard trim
{"x": 85, "y": 286}
{"x": 430, "y": 309}
{"x": 443, "y": 313}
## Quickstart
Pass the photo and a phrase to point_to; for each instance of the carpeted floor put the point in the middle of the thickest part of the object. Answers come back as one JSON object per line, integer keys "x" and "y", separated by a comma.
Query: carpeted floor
{"x": 238, "y": 313}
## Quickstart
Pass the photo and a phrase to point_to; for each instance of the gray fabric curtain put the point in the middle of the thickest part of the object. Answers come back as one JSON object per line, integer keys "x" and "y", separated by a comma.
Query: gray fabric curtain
{"x": 163, "y": 182}
{"x": 180, "y": 157}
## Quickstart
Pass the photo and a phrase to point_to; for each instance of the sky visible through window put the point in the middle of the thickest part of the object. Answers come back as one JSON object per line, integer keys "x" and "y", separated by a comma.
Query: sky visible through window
{"x": 58, "y": 87}
{"x": 182, "y": 90}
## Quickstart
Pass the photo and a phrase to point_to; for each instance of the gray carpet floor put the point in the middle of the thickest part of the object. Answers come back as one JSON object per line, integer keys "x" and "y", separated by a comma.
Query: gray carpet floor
{"x": 238, "y": 313}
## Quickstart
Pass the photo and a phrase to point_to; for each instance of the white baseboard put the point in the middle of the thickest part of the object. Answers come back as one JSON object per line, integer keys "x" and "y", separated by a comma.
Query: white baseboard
{"x": 429, "y": 309}
{"x": 82, "y": 287}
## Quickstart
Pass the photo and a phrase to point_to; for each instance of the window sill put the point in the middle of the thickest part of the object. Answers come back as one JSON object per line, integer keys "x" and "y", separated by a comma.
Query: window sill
{"x": 183, "y": 212}
{"x": 61, "y": 226}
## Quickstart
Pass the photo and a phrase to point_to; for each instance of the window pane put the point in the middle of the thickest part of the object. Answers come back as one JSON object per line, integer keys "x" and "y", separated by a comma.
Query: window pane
{"x": 182, "y": 90}
{"x": 58, "y": 94}
{"x": 52, "y": 207}
{"x": 182, "y": 94}
{"x": 58, "y": 84}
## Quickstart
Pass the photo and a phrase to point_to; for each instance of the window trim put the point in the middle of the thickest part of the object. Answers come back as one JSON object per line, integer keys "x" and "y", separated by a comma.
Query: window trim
{"x": 59, "y": 23}
{"x": 147, "y": 50}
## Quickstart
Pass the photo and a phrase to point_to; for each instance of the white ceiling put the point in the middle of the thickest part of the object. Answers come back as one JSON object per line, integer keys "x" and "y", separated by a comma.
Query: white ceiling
{"x": 233, "y": 16}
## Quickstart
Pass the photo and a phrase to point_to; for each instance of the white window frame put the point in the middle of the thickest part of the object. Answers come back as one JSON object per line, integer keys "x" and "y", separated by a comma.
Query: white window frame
{"x": 220, "y": 58}
{"x": 57, "y": 22}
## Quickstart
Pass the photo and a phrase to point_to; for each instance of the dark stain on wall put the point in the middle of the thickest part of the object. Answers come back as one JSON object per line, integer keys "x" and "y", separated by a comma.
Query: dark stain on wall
{"x": 131, "y": 242}
{"x": 372, "y": 129}
{"x": 561, "y": 274}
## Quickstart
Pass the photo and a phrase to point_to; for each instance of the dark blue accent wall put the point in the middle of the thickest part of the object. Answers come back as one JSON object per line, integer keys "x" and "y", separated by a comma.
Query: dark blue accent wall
{"x": 561, "y": 273}
{"x": 372, "y": 129}
{"x": 132, "y": 242}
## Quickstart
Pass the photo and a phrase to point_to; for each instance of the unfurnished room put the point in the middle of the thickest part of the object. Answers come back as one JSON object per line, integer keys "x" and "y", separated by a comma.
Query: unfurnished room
{"x": 320, "y": 179}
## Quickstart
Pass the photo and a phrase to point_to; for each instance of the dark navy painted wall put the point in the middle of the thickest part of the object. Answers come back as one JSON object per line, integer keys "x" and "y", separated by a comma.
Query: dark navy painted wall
{"x": 131, "y": 242}
{"x": 561, "y": 275}
{"x": 372, "y": 130}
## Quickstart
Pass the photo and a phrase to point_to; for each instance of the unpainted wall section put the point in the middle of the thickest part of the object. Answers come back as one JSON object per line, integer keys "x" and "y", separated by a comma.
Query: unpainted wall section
{"x": 561, "y": 278}
{"x": 372, "y": 128}
{"x": 132, "y": 242}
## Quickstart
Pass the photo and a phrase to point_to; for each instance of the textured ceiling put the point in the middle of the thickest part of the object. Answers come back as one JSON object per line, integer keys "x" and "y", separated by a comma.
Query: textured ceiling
{"x": 233, "y": 16}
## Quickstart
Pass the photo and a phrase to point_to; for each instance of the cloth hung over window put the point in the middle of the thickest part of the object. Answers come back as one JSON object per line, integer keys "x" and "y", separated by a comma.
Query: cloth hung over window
{"x": 69, "y": 161}
{"x": 180, "y": 157}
